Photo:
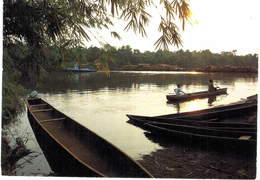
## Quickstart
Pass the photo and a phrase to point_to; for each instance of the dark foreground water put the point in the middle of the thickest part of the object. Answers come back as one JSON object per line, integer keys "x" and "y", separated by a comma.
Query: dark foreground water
{"x": 101, "y": 104}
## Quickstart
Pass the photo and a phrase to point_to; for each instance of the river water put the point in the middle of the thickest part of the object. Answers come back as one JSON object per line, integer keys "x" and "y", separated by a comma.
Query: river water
{"x": 101, "y": 103}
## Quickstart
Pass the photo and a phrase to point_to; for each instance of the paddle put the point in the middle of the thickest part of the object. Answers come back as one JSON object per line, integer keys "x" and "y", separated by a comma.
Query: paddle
{"x": 185, "y": 93}
{"x": 217, "y": 86}
{"x": 181, "y": 92}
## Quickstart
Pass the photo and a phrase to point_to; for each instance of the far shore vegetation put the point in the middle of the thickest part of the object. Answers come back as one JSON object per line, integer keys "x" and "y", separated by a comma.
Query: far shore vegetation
{"x": 179, "y": 60}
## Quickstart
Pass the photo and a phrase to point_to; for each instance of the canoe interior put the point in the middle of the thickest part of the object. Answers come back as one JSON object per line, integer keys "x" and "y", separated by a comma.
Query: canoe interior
{"x": 92, "y": 151}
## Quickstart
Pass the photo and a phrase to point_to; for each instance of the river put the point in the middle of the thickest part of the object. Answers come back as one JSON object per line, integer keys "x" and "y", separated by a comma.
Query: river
{"x": 101, "y": 103}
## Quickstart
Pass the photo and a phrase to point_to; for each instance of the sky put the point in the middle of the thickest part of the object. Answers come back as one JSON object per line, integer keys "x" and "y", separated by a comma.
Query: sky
{"x": 223, "y": 25}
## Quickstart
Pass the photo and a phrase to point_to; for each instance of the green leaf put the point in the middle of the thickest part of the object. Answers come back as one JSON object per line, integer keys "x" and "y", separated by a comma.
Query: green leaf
{"x": 115, "y": 35}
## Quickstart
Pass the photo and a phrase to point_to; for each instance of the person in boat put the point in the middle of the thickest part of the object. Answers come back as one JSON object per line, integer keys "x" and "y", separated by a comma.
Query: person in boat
{"x": 178, "y": 90}
{"x": 211, "y": 86}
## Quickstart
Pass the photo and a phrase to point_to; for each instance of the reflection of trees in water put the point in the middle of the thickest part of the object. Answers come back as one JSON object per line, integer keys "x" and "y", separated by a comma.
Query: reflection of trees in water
{"x": 20, "y": 150}
{"x": 62, "y": 82}
{"x": 15, "y": 152}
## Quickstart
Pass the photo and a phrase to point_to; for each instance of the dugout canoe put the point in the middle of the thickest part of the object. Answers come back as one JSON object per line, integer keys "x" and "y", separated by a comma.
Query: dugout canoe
{"x": 204, "y": 136}
{"x": 196, "y": 95}
{"x": 209, "y": 131}
{"x": 209, "y": 124}
{"x": 77, "y": 151}
{"x": 221, "y": 112}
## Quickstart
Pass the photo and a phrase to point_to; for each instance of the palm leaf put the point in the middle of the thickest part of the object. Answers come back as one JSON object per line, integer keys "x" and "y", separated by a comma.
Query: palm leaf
{"x": 115, "y": 35}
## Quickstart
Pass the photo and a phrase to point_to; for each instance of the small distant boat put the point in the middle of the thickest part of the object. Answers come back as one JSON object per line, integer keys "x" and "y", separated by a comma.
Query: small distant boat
{"x": 76, "y": 150}
{"x": 82, "y": 70}
{"x": 190, "y": 96}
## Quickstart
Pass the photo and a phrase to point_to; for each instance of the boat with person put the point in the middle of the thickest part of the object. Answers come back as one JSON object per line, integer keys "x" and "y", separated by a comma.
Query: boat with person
{"x": 195, "y": 95}
{"x": 76, "y": 150}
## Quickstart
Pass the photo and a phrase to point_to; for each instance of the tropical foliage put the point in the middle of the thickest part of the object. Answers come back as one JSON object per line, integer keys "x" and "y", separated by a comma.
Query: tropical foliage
{"x": 40, "y": 23}
{"x": 133, "y": 59}
{"x": 38, "y": 33}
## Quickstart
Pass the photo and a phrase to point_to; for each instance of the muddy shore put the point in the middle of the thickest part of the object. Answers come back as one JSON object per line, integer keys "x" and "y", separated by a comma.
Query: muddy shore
{"x": 181, "y": 159}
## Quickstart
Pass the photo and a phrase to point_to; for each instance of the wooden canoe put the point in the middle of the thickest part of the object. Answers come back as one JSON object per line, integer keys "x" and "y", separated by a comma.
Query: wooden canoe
{"x": 210, "y": 124}
{"x": 221, "y": 112}
{"x": 76, "y": 150}
{"x": 204, "y": 136}
{"x": 196, "y": 95}
{"x": 202, "y": 130}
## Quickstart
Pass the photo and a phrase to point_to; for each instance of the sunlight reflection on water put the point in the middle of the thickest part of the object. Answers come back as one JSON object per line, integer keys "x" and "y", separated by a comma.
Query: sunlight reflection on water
{"x": 101, "y": 103}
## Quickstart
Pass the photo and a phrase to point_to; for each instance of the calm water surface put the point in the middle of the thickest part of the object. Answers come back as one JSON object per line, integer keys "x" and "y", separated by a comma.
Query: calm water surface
{"x": 101, "y": 103}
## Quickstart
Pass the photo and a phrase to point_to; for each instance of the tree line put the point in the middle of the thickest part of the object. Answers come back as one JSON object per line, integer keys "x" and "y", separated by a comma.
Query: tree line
{"x": 125, "y": 55}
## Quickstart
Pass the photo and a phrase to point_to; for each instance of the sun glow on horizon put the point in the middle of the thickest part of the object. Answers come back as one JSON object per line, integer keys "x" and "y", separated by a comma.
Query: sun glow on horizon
{"x": 218, "y": 26}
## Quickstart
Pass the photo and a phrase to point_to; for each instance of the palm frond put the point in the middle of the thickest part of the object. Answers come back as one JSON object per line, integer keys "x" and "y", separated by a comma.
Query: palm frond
{"x": 170, "y": 35}
{"x": 115, "y": 35}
